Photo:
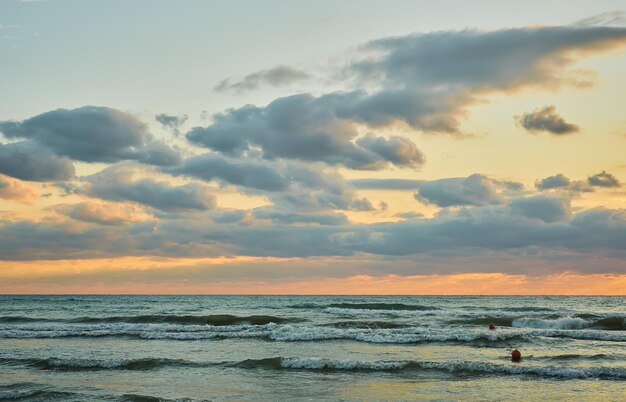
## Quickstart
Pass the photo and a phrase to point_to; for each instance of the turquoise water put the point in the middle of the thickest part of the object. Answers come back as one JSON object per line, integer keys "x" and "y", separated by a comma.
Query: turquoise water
{"x": 311, "y": 347}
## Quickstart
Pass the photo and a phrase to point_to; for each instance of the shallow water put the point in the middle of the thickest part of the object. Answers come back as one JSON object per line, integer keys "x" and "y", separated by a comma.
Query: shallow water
{"x": 311, "y": 347}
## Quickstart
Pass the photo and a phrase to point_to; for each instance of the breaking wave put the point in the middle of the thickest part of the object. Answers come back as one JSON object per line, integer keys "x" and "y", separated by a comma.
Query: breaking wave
{"x": 216, "y": 320}
{"x": 362, "y": 331}
{"x": 560, "y": 323}
{"x": 61, "y": 364}
{"x": 282, "y": 363}
{"x": 456, "y": 367}
{"x": 575, "y": 322}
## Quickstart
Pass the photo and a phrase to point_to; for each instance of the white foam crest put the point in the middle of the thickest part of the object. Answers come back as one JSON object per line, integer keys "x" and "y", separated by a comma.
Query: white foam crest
{"x": 560, "y": 323}
{"x": 520, "y": 369}
{"x": 586, "y": 334}
{"x": 87, "y": 363}
{"x": 290, "y": 332}
{"x": 456, "y": 366}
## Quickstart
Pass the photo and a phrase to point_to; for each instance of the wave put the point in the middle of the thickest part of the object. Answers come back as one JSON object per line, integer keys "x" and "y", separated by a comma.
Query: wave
{"x": 61, "y": 364}
{"x": 528, "y": 308}
{"x": 383, "y": 306}
{"x": 560, "y": 323}
{"x": 575, "y": 322}
{"x": 456, "y": 367}
{"x": 484, "y": 321}
{"x": 270, "y": 332}
{"x": 579, "y": 357}
{"x": 215, "y": 320}
{"x": 307, "y": 306}
{"x": 147, "y": 398}
{"x": 368, "y": 324}
{"x": 611, "y": 323}
{"x": 361, "y": 331}
{"x": 282, "y": 363}
{"x": 20, "y": 319}
{"x": 31, "y": 391}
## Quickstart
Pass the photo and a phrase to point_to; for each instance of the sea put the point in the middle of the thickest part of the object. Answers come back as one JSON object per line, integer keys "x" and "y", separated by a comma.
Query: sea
{"x": 335, "y": 348}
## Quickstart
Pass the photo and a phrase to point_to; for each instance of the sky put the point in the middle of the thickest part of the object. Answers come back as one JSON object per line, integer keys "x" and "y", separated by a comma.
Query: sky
{"x": 328, "y": 147}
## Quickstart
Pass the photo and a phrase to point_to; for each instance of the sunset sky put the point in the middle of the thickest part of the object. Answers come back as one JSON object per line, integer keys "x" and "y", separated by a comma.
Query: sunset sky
{"x": 288, "y": 147}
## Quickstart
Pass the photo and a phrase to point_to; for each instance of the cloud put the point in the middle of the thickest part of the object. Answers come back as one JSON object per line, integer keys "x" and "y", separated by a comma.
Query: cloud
{"x": 546, "y": 119}
{"x": 243, "y": 172}
{"x": 27, "y": 160}
{"x": 562, "y": 182}
{"x": 287, "y": 218}
{"x": 603, "y": 179}
{"x": 548, "y": 209}
{"x": 505, "y": 59}
{"x": 386, "y": 184}
{"x": 92, "y": 134}
{"x": 424, "y": 81}
{"x": 11, "y": 189}
{"x": 615, "y": 18}
{"x": 533, "y": 226}
{"x": 553, "y": 182}
{"x": 117, "y": 183}
{"x": 306, "y": 128}
{"x": 409, "y": 215}
{"x": 476, "y": 190}
{"x": 428, "y": 80}
{"x": 277, "y": 76}
{"x": 289, "y": 185}
{"x": 171, "y": 122}
{"x": 399, "y": 151}
{"x": 103, "y": 213}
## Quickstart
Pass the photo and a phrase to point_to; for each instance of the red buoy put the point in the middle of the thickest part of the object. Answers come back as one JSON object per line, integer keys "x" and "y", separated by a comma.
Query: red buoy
{"x": 492, "y": 326}
{"x": 516, "y": 356}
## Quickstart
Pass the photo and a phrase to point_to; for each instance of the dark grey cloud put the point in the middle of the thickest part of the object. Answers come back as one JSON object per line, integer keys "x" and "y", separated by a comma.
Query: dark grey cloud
{"x": 553, "y": 182}
{"x": 92, "y": 134}
{"x": 476, "y": 190}
{"x": 498, "y": 60}
{"x": 561, "y": 182}
{"x": 287, "y": 218}
{"x": 27, "y": 160}
{"x": 316, "y": 189}
{"x": 277, "y": 76}
{"x": 118, "y": 184}
{"x": 288, "y": 185}
{"x": 306, "y": 128}
{"x": 399, "y": 151}
{"x": 171, "y": 122}
{"x": 603, "y": 179}
{"x": 430, "y": 79}
{"x": 509, "y": 186}
{"x": 386, "y": 184}
{"x": 546, "y": 119}
{"x": 548, "y": 209}
{"x": 243, "y": 172}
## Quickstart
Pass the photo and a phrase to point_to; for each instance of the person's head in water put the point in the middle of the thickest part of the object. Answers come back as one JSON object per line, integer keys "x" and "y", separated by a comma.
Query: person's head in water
{"x": 492, "y": 326}
{"x": 516, "y": 356}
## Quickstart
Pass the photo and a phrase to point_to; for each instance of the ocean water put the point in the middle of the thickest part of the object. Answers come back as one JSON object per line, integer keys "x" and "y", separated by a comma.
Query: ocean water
{"x": 223, "y": 348}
